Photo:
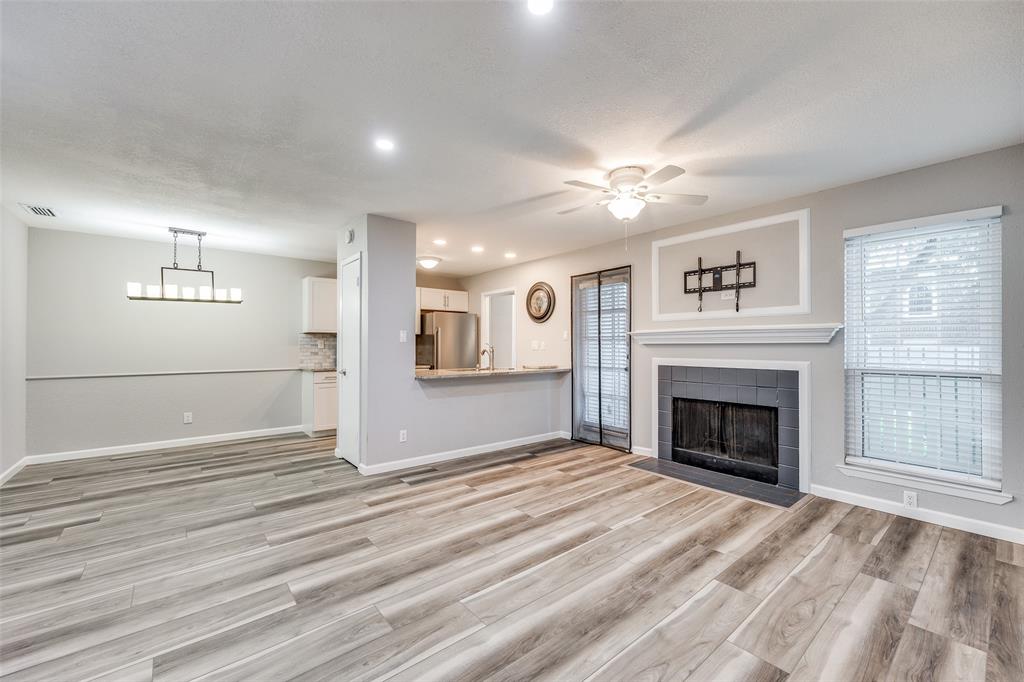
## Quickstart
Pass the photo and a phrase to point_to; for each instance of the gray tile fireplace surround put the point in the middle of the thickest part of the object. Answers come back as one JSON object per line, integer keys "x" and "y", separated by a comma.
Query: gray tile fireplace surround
{"x": 766, "y": 387}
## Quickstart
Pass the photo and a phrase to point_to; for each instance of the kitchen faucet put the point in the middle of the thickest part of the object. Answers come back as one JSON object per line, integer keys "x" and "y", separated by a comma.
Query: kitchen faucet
{"x": 489, "y": 352}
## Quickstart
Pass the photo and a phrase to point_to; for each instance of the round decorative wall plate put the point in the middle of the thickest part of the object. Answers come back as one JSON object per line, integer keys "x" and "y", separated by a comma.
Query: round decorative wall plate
{"x": 540, "y": 302}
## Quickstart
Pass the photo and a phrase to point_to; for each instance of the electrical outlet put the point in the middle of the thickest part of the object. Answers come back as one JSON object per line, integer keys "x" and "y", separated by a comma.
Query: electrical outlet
{"x": 910, "y": 499}
{"x": 728, "y": 295}
{"x": 402, "y": 436}
{"x": 543, "y": 345}
{"x": 320, "y": 344}
{"x": 403, "y": 336}
{"x": 186, "y": 418}
{"x": 535, "y": 345}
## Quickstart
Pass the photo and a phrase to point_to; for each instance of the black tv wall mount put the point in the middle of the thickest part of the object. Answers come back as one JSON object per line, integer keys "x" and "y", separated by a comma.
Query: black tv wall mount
{"x": 742, "y": 276}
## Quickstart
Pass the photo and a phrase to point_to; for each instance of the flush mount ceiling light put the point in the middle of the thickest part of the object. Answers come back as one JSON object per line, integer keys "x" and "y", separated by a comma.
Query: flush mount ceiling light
{"x": 540, "y": 7}
{"x": 170, "y": 292}
{"x": 510, "y": 254}
{"x": 384, "y": 144}
{"x": 477, "y": 249}
{"x": 440, "y": 242}
{"x": 428, "y": 262}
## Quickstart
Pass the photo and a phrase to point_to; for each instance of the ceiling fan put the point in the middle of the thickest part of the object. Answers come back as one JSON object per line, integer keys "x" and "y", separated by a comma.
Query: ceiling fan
{"x": 630, "y": 190}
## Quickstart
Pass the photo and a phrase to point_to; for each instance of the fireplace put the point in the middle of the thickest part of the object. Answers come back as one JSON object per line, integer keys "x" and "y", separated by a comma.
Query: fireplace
{"x": 733, "y": 438}
{"x": 743, "y": 422}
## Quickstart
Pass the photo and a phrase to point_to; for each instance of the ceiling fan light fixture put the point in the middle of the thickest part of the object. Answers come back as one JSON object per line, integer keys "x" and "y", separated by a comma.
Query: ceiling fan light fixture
{"x": 428, "y": 262}
{"x": 627, "y": 207}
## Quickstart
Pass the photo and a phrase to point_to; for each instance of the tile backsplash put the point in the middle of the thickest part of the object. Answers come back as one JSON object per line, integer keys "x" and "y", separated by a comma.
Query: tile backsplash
{"x": 312, "y": 356}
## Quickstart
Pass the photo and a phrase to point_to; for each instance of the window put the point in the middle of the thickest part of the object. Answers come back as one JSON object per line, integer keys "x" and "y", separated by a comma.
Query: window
{"x": 924, "y": 350}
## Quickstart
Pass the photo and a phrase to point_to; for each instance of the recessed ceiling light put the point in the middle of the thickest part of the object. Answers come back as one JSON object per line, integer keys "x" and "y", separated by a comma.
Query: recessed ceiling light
{"x": 384, "y": 144}
{"x": 428, "y": 262}
{"x": 440, "y": 242}
{"x": 510, "y": 254}
{"x": 540, "y": 7}
{"x": 477, "y": 249}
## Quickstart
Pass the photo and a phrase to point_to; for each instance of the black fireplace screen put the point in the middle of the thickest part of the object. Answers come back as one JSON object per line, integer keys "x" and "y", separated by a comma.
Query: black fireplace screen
{"x": 736, "y": 439}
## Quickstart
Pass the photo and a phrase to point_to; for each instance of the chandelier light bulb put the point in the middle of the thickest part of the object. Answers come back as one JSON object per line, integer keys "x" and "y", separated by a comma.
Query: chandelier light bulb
{"x": 626, "y": 207}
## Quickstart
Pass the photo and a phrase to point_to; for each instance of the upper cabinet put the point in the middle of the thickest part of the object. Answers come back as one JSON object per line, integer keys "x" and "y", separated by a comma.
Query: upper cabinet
{"x": 319, "y": 305}
{"x": 443, "y": 299}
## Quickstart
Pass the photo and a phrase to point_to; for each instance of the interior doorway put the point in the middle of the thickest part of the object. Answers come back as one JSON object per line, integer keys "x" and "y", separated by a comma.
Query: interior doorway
{"x": 601, "y": 322}
{"x": 498, "y": 325}
{"x": 349, "y": 361}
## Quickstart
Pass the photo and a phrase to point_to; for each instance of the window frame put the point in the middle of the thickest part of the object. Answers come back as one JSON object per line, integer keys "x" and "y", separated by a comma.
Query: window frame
{"x": 984, "y": 486}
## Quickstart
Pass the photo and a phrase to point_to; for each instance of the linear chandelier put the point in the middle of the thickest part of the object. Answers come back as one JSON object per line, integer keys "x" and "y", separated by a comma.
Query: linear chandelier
{"x": 171, "y": 292}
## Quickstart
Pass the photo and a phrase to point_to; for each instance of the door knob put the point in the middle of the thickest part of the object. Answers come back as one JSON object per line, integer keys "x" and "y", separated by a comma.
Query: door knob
{"x": 343, "y": 372}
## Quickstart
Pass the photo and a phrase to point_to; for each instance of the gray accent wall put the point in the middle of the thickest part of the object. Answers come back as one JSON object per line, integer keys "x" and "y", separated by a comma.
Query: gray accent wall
{"x": 80, "y": 323}
{"x": 442, "y": 416}
{"x": 981, "y": 180}
{"x": 13, "y": 287}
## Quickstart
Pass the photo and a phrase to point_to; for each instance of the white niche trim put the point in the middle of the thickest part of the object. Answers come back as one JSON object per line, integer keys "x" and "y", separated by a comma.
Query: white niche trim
{"x": 803, "y": 219}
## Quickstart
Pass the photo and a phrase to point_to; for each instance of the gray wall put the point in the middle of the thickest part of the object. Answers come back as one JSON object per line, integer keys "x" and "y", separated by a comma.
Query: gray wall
{"x": 13, "y": 286}
{"x": 438, "y": 416}
{"x": 80, "y": 322}
{"x": 981, "y": 180}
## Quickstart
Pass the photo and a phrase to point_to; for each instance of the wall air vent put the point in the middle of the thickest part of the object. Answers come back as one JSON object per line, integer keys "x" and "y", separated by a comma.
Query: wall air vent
{"x": 39, "y": 210}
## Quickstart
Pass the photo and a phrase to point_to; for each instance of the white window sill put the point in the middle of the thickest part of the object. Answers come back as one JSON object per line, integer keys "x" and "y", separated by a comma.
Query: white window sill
{"x": 858, "y": 469}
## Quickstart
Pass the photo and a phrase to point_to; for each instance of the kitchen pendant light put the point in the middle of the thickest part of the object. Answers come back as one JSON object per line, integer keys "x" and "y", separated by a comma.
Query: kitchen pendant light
{"x": 170, "y": 292}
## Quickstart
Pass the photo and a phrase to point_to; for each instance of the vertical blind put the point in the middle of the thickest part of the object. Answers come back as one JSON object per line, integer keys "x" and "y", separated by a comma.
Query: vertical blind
{"x": 923, "y": 351}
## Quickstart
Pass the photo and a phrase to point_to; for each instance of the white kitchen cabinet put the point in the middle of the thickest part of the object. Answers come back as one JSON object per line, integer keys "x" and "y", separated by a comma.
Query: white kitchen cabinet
{"x": 458, "y": 301}
{"x": 443, "y": 299}
{"x": 319, "y": 402}
{"x": 319, "y": 305}
{"x": 433, "y": 299}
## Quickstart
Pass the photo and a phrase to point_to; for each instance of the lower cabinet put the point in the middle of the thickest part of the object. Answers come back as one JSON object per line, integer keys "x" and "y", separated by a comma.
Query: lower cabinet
{"x": 319, "y": 402}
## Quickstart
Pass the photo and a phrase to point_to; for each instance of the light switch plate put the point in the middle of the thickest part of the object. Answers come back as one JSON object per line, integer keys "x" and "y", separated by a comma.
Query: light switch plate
{"x": 186, "y": 418}
{"x": 403, "y": 336}
{"x": 402, "y": 436}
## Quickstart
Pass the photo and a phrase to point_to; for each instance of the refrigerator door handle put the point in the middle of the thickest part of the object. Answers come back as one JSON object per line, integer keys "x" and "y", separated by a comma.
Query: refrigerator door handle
{"x": 437, "y": 346}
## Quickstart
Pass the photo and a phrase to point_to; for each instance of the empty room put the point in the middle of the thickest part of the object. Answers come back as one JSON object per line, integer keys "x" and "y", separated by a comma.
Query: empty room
{"x": 511, "y": 340}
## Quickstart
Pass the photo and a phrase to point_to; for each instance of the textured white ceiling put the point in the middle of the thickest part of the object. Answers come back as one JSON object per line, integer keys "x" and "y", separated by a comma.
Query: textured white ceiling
{"x": 256, "y": 121}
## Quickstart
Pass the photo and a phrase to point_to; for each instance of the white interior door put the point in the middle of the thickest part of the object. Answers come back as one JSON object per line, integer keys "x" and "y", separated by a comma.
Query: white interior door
{"x": 350, "y": 336}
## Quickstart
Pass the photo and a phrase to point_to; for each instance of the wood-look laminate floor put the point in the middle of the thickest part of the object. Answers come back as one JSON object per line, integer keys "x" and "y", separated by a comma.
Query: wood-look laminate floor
{"x": 272, "y": 560}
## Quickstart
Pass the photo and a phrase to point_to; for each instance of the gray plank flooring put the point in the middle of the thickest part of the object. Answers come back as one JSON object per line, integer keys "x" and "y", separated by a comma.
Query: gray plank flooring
{"x": 269, "y": 559}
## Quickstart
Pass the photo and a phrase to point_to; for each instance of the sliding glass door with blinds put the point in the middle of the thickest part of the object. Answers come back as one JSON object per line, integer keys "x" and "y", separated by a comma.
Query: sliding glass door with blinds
{"x": 924, "y": 350}
{"x": 600, "y": 358}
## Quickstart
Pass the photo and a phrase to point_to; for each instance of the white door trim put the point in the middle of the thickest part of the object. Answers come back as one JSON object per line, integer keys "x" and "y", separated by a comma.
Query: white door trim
{"x": 361, "y": 421}
{"x": 801, "y": 367}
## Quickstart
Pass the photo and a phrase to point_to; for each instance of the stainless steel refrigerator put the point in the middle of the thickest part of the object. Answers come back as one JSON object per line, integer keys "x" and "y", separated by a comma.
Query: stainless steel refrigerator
{"x": 454, "y": 337}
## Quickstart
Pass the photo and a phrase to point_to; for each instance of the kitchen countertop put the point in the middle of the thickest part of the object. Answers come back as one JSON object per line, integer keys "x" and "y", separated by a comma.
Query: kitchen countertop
{"x": 318, "y": 369}
{"x": 440, "y": 374}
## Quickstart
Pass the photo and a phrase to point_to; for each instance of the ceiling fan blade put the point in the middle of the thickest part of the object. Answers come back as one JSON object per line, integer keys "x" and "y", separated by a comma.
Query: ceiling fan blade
{"x": 574, "y": 209}
{"x": 662, "y": 176}
{"x": 587, "y": 186}
{"x": 688, "y": 199}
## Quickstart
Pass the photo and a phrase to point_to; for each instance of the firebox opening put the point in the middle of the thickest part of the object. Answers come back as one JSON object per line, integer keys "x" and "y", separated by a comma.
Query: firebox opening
{"x": 742, "y": 440}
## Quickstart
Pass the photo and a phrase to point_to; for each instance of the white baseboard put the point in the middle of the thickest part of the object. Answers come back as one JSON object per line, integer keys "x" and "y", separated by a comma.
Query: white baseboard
{"x": 411, "y": 462}
{"x": 646, "y": 452}
{"x": 992, "y": 530}
{"x": 143, "y": 447}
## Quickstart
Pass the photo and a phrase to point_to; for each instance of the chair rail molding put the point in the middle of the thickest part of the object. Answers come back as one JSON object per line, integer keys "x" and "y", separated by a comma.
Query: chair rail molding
{"x": 764, "y": 334}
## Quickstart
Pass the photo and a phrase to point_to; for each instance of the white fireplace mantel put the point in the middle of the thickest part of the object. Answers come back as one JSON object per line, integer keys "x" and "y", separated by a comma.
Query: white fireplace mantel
{"x": 773, "y": 333}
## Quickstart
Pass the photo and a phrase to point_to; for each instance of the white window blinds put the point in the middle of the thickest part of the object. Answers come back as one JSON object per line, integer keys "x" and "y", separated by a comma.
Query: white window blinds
{"x": 924, "y": 349}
